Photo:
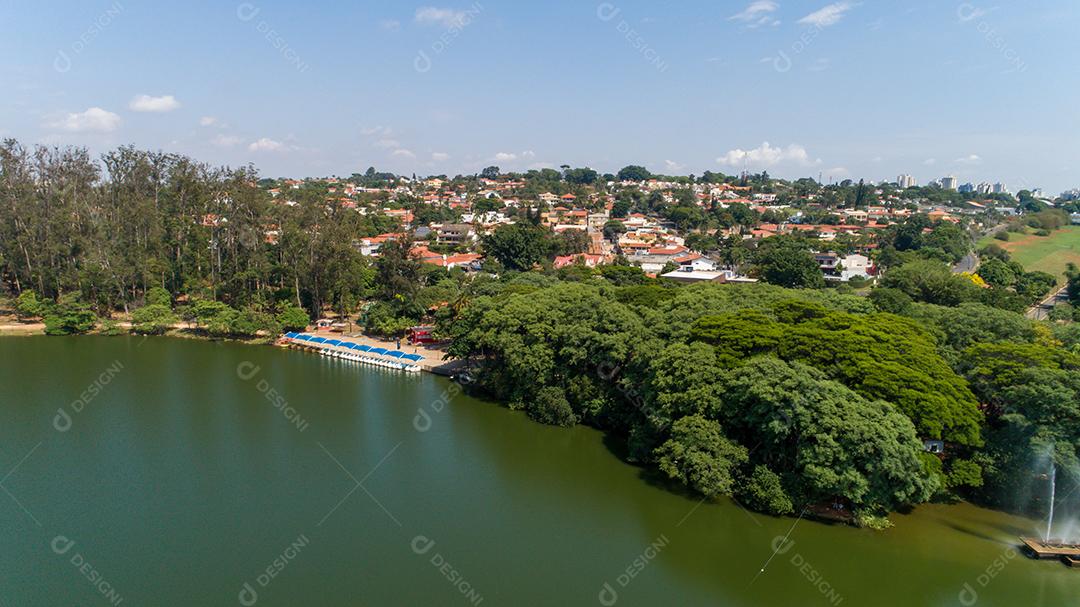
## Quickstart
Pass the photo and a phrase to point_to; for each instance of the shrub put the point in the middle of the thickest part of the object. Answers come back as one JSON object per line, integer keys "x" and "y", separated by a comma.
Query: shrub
{"x": 872, "y": 521}
{"x": 293, "y": 318}
{"x": 1002, "y": 236}
{"x": 158, "y": 296}
{"x": 965, "y": 473}
{"x": 154, "y": 319}
{"x": 764, "y": 492}
{"x": 551, "y": 407}
{"x": 69, "y": 317}
{"x": 110, "y": 327}
{"x": 27, "y": 305}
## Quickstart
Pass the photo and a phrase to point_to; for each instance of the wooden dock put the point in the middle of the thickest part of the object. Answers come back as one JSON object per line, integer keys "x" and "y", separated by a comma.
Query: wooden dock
{"x": 1052, "y": 550}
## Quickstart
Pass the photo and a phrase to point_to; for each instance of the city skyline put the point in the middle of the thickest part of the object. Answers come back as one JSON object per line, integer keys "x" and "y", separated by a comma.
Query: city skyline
{"x": 799, "y": 90}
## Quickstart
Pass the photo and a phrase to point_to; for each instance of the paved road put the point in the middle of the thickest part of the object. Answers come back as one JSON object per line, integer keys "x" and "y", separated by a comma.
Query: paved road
{"x": 1042, "y": 311}
{"x": 968, "y": 264}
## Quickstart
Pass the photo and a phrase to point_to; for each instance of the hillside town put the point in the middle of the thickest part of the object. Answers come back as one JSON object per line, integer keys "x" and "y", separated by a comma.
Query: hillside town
{"x": 679, "y": 228}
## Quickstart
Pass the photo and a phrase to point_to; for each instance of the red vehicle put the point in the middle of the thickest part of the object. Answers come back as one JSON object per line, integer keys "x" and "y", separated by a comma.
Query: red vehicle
{"x": 422, "y": 335}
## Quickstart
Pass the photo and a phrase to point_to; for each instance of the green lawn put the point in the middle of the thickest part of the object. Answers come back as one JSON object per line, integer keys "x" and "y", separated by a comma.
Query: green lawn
{"x": 1049, "y": 254}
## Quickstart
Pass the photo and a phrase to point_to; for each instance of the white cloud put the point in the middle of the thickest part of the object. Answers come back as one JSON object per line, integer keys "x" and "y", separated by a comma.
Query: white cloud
{"x": 207, "y": 121}
{"x": 390, "y": 25}
{"x": 446, "y": 17}
{"x": 225, "y": 141}
{"x": 93, "y": 119}
{"x": 838, "y": 172}
{"x": 758, "y": 14}
{"x": 755, "y": 11}
{"x": 146, "y": 103}
{"x": 266, "y": 145}
{"x": 672, "y": 167}
{"x": 381, "y": 131}
{"x": 403, "y": 153}
{"x": 829, "y": 15}
{"x": 505, "y": 156}
{"x": 440, "y": 156}
{"x": 387, "y": 143}
{"x": 972, "y": 159}
{"x": 528, "y": 154}
{"x": 767, "y": 155}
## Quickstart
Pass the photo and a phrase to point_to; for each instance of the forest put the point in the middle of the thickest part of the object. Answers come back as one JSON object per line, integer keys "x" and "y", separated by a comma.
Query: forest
{"x": 785, "y": 399}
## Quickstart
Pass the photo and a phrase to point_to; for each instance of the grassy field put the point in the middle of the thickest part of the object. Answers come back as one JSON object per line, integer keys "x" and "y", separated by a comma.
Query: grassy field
{"x": 1043, "y": 254}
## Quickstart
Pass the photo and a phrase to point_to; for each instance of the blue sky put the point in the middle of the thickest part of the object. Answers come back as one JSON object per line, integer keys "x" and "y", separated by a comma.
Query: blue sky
{"x": 871, "y": 89}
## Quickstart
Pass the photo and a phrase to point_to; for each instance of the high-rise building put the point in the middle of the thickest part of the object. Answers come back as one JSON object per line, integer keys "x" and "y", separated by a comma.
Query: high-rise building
{"x": 1000, "y": 188}
{"x": 967, "y": 188}
{"x": 948, "y": 183}
{"x": 984, "y": 188}
{"x": 906, "y": 181}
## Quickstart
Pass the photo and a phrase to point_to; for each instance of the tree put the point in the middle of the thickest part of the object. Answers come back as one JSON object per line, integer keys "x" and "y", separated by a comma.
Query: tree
{"x": 701, "y": 457}
{"x": 584, "y": 176}
{"x": 551, "y": 407}
{"x": 764, "y": 492}
{"x": 27, "y": 305}
{"x": 1035, "y": 285}
{"x": 997, "y": 273}
{"x": 613, "y": 229}
{"x": 397, "y": 273}
{"x": 570, "y": 242}
{"x": 832, "y": 441}
{"x": 293, "y": 318}
{"x": 931, "y": 282}
{"x": 153, "y": 319}
{"x": 158, "y": 296}
{"x": 519, "y": 246}
{"x": 893, "y": 301}
{"x": 491, "y": 172}
{"x": 788, "y": 263}
{"x": 382, "y": 320}
{"x": 1073, "y": 274}
{"x": 252, "y": 321}
{"x": 634, "y": 173}
{"x": 206, "y": 312}
{"x": 70, "y": 316}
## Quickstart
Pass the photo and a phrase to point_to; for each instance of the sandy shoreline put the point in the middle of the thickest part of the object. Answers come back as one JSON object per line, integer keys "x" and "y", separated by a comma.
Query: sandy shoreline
{"x": 432, "y": 362}
{"x": 23, "y": 328}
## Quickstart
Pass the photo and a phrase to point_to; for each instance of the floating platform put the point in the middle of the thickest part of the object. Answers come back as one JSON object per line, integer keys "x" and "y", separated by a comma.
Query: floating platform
{"x": 1067, "y": 552}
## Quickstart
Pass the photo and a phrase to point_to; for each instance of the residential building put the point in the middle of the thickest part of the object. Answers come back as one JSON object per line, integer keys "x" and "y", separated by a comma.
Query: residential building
{"x": 688, "y": 275}
{"x": 455, "y": 234}
{"x": 844, "y": 269}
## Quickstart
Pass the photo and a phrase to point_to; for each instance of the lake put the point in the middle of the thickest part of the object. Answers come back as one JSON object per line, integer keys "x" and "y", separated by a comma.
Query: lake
{"x": 178, "y": 472}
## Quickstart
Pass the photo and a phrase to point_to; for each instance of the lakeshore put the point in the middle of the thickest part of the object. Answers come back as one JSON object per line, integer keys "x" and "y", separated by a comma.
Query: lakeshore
{"x": 432, "y": 361}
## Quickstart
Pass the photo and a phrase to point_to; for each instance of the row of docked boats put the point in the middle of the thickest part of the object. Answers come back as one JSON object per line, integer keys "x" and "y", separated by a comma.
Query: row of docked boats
{"x": 345, "y": 349}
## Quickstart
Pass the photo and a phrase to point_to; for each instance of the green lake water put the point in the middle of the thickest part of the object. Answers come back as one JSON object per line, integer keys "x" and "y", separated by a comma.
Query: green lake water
{"x": 173, "y": 472}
